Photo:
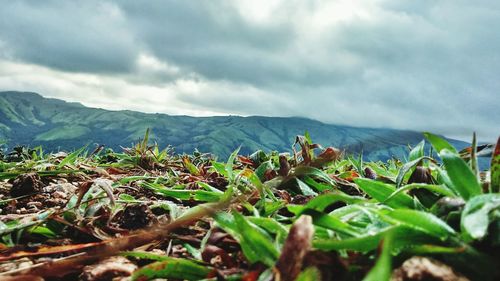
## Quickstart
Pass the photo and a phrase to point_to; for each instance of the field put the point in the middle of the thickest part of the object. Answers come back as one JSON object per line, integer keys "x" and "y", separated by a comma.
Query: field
{"x": 316, "y": 214}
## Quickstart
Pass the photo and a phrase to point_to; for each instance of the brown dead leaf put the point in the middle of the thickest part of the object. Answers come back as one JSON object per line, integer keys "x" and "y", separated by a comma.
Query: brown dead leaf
{"x": 296, "y": 246}
{"x": 14, "y": 253}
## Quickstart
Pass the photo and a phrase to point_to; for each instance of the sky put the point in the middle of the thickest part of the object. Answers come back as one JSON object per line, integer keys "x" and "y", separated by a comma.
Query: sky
{"x": 427, "y": 65}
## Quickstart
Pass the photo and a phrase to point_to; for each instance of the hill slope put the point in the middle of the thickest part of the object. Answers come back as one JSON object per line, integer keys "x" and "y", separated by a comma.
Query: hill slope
{"x": 30, "y": 119}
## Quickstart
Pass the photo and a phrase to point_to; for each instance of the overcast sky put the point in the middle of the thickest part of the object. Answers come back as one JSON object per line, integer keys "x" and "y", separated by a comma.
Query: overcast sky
{"x": 420, "y": 65}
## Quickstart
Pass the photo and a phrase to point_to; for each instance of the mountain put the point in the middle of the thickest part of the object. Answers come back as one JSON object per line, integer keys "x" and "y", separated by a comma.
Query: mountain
{"x": 30, "y": 119}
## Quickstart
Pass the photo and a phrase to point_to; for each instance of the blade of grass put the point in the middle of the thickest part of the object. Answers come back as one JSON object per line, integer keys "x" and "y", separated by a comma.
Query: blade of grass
{"x": 175, "y": 268}
{"x": 441, "y": 189}
{"x": 460, "y": 174}
{"x": 382, "y": 269}
{"x": 495, "y": 169}
{"x": 439, "y": 143}
{"x": 381, "y": 191}
{"x": 422, "y": 221}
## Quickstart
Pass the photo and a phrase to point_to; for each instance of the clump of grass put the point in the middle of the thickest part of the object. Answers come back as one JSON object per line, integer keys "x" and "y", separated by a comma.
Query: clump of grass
{"x": 354, "y": 219}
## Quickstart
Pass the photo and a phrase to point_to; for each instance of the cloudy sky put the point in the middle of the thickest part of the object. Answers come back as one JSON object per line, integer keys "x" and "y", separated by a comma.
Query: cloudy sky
{"x": 420, "y": 65}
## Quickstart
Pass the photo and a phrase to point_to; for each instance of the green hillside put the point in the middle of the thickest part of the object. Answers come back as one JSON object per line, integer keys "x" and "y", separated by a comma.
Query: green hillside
{"x": 30, "y": 119}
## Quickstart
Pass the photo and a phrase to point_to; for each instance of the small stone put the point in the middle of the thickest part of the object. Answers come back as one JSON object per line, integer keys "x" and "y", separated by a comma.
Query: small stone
{"x": 26, "y": 184}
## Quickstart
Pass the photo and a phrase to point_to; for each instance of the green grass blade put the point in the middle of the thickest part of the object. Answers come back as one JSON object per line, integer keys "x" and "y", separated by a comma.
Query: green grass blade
{"x": 382, "y": 269}
{"x": 71, "y": 158}
{"x": 473, "y": 156}
{"x": 439, "y": 143}
{"x": 463, "y": 179}
{"x": 405, "y": 237}
{"x": 322, "y": 201}
{"x": 255, "y": 243}
{"x": 421, "y": 221}
{"x": 441, "y": 189}
{"x": 229, "y": 164}
{"x": 381, "y": 192}
{"x": 331, "y": 222}
{"x": 495, "y": 169}
{"x": 406, "y": 168}
{"x": 303, "y": 171}
{"x": 417, "y": 151}
{"x": 478, "y": 213}
{"x": 309, "y": 274}
{"x": 361, "y": 243}
{"x": 174, "y": 268}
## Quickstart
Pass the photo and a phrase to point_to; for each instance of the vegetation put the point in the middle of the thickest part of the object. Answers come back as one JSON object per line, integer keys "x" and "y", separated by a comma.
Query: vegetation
{"x": 30, "y": 119}
{"x": 316, "y": 214}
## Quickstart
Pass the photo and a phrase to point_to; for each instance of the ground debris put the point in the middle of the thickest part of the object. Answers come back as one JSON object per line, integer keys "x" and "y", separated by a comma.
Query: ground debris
{"x": 15, "y": 264}
{"x": 425, "y": 269}
{"x": 108, "y": 269}
{"x": 136, "y": 217}
{"x": 26, "y": 184}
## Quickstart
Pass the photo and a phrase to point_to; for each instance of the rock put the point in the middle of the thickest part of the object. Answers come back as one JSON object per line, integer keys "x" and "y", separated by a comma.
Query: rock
{"x": 26, "y": 184}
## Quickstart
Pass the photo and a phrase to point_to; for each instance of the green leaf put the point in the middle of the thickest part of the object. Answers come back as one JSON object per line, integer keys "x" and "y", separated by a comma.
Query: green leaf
{"x": 145, "y": 256}
{"x": 42, "y": 230}
{"x": 441, "y": 189}
{"x": 312, "y": 172}
{"x": 261, "y": 170}
{"x": 406, "y": 168}
{"x": 304, "y": 188}
{"x": 127, "y": 197}
{"x": 421, "y": 221}
{"x": 331, "y": 222}
{"x": 71, "y": 158}
{"x": 174, "y": 268}
{"x": 316, "y": 185}
{"x": 256, "y": 240}
{"x": 309, "y": 274}
{"x": 382, "y": 269}
{"x": 230, "y": 162}
{"x": 220, "y": 168}
{"x": 478, "y": 214}
{"x": 404, "y": 237}
{"x": 381, "y": 192}
{"x": 439, "y": 143}
{"x": 495, "y": 169}
{"x": 417, "y": 151}
{"x": 463, "y": 179}
{"x": 271, "y": 226}
{"x": 308, "y": 137}
{"x": 183, "y": 194}
{"x": 209, "y": 187}
{"x": 473, "y": 156}
{"x": 255, "y": 243}
{"x": 362, "y": 243}
{"x": 33, "y": 221}
{"x": 193, "y": 170}
{"x": 321, "y": 202}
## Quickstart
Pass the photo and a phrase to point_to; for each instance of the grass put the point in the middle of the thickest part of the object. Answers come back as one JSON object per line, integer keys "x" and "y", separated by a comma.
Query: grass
{"x": 313, "y": 215}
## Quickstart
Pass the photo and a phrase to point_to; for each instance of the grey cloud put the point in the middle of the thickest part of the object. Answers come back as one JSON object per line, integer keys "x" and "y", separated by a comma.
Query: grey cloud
{"x": 211, "y": 38}
{"x": 70, "y": 36}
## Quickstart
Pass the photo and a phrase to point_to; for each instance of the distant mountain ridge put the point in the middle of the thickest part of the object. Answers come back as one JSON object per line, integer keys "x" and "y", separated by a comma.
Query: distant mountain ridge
{"x": 30, "y": 119}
